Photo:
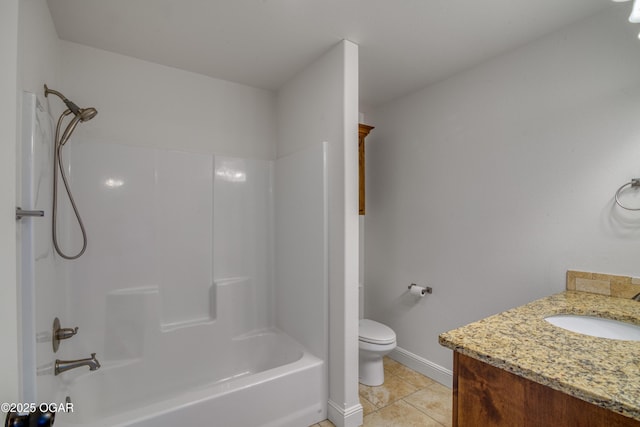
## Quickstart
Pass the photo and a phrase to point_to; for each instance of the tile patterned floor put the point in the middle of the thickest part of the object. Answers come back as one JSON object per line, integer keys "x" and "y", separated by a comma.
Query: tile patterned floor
{"x": 406, "y": 399}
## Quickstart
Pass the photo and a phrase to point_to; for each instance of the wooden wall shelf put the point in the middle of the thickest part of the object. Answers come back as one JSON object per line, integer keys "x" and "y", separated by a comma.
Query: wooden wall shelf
{"x": 363, "y": 131}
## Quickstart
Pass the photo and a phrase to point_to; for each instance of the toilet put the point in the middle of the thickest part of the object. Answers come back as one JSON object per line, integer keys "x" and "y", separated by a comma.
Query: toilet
{"x": 375, "y": 340}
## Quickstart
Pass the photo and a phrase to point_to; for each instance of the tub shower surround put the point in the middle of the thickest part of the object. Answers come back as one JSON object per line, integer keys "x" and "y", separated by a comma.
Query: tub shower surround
{"x": 176, "y": 291}
{"x": 162, "y": 252}
{"x": 37, "y": 263}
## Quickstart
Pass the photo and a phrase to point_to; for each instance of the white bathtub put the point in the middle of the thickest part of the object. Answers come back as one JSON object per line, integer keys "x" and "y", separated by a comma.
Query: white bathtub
{"x": 265, "y": 379}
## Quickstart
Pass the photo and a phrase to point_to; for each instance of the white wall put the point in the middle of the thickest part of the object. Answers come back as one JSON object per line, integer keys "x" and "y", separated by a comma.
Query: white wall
{"x": 146, "y": 104}
{"x": 321, "y": 104}
{"x": 39, "y": 50}
{"x": 8, "y": 115}
{"x": 488, "y": 186}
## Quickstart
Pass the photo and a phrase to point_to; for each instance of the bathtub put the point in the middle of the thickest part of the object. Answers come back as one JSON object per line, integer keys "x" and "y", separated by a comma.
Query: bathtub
{"x": 264, "y": 379}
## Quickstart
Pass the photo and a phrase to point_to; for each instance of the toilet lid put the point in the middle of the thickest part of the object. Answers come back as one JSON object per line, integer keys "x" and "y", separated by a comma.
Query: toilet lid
{"x": 375, "y": 333}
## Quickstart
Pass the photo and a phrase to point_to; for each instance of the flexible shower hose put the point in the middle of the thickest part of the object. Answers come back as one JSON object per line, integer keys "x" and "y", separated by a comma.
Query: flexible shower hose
{"x": 59, "y": 165}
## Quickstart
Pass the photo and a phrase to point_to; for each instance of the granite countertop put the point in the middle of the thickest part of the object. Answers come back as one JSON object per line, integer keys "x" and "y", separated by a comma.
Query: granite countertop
{"x": 601, "y": 371}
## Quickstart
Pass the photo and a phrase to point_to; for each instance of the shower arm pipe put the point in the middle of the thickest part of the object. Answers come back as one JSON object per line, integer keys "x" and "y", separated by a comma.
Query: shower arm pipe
{"x": 72, "y": 106}
{"x": 84, "y": 114}
{"x": 58, "y": 165}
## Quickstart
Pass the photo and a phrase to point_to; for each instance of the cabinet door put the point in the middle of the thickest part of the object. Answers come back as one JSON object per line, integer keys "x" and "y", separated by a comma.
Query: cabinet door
{"x": 487, "y": 396}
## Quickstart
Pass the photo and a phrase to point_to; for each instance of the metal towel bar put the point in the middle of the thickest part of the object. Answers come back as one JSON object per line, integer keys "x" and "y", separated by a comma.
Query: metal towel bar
{"x": 22, "y": 213}
{"x": 634, "y": 183}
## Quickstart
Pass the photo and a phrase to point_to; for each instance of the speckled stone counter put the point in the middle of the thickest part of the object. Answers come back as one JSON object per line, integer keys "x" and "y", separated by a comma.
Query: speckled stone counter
{"x": 601, "y": 371}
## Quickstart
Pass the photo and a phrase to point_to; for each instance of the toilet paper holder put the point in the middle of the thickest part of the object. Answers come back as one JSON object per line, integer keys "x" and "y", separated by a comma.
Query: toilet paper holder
{"x": 425, "y": 290}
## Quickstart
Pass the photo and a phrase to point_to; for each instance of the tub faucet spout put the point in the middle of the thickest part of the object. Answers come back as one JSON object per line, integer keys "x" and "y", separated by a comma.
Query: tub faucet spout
{"x": 65, "y": 365}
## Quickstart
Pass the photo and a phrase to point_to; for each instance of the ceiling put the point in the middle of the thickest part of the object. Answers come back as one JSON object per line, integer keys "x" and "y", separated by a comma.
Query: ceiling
{"x": 404, "y": 44}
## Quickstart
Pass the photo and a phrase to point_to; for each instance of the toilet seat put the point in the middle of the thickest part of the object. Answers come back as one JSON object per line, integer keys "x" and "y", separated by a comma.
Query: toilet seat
{"x": 373, "y": 332}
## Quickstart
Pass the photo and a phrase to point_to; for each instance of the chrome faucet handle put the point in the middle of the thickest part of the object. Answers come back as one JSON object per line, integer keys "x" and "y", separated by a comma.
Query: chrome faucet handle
{"x": 64, "y": 333}
{"x": 61, "y": 334}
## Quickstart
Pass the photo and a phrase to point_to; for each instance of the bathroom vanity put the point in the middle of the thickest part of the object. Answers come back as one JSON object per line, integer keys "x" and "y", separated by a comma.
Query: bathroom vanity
{"x": 517, "y": 369}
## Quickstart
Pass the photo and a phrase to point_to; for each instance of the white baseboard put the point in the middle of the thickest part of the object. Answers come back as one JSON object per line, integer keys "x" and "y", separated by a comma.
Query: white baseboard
{"x": 426, "y": 367}
{"x": 345, "y": 417}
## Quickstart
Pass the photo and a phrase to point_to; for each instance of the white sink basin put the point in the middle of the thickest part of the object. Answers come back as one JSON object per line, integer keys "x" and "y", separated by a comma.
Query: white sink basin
{"x": 596, "y": 326}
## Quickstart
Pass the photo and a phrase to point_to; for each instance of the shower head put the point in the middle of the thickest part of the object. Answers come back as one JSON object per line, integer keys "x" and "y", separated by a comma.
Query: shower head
{"x": 87, "y": 114}
{"x": 81, "y": 115}
{"x": 84, "y": 114}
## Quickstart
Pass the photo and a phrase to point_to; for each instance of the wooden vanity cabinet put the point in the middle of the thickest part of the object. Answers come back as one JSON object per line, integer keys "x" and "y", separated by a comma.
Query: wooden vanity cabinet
{"x": 486, "y": 396}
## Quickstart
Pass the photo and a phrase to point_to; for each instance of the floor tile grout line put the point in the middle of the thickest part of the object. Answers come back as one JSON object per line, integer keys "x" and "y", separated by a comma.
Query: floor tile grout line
{"x": 426, "y": 413}
{"x": 418, "y": 388}
{"x": 370, "y": 402}
{"x": 398, "y": 371}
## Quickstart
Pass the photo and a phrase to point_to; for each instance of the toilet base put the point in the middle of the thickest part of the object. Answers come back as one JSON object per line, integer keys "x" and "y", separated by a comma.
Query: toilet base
{"x": 371, "y": 369}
